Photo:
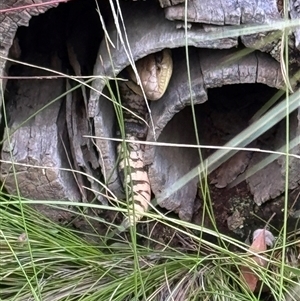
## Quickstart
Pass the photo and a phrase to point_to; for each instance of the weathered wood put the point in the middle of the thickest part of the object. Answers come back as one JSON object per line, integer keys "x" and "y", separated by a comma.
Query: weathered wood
{"x": 255, "y": 67}
{"x": 168, "y": 127}
{"x": 15, "y": 17}
{"x": 83, "y": 154}
{"x": 145, "y": 36}
{"x": 225, "y": 12}
{"x": 234, "y": 12}
{"x": 40, "y": 143}
{"x": 40, "y": 43}
{"x": 165, "y": 3}
{"x": 209, "y": 69}
{"x": 269, "y": 182}
{"x": 84, "y": 33}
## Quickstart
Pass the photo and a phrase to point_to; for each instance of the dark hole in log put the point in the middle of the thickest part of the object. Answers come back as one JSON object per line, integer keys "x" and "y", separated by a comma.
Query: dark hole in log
{"x": 220, "y": 118}
{"x": 225, "y": 114}
{"x": 52, "y": 138}
{"x": 76, "y": 22}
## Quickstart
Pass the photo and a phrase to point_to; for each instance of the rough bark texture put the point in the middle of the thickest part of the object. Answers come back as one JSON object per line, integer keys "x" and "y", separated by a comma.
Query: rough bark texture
{"x": 93, "y": 112}
{"x": 164, "y": 171}
{"x": 41, "y": 141}
{"x": 225, "y": 12}
{"x": 208, "y": 73}
{"x": 145, "y": 35}
{"x": 262, "y": 184}
{"x": 44, "y": 139}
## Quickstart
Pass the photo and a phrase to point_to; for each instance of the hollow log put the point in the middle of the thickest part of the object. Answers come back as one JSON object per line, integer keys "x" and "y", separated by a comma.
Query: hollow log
{"x": 214, "y": 61}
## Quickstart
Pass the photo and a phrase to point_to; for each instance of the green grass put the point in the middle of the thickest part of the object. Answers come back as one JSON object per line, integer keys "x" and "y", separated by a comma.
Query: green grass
{"x": 52, "y": 262}
{"x": 41, "y": 260}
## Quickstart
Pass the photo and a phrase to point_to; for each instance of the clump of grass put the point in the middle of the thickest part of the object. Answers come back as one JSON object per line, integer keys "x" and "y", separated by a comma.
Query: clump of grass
{"x": 51, "y": 262}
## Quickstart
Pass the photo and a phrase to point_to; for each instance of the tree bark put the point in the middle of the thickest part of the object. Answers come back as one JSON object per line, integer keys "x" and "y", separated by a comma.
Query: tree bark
{"x": 91, "y": 112}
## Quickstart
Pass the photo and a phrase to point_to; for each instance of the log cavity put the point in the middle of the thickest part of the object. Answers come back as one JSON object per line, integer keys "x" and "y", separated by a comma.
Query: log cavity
{"x": 208, "y": 69}
{"x": 67, "y": 39}
{"x": 225, "y": 114}
{"x": 64, "y": 39}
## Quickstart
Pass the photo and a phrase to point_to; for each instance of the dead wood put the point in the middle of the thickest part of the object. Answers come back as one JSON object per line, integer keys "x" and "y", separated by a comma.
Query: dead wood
{"x": 37, "y": 142}
{"x": 215, "y": 61}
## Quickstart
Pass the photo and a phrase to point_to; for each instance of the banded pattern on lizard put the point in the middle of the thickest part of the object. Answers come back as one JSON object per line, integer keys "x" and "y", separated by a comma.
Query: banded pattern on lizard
{"x": 155, "y": 71}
